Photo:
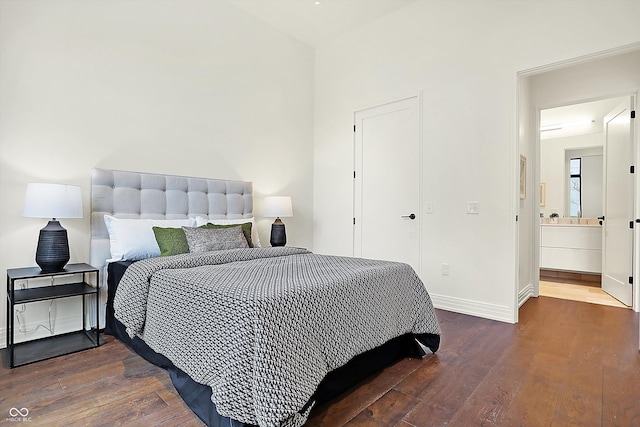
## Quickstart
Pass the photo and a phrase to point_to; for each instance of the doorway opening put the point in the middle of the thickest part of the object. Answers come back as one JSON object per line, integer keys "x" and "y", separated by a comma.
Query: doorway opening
{"x": 599, "y": 76}
{"x": 572, "y": 200}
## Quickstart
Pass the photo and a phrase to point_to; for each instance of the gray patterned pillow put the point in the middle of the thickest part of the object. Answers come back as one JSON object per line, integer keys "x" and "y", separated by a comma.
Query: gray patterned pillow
{"x": 214, "y": 239}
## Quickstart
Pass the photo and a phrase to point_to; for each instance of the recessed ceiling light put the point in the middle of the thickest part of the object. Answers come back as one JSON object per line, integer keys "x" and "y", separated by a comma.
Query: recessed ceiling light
{"x": 317, "y": 3}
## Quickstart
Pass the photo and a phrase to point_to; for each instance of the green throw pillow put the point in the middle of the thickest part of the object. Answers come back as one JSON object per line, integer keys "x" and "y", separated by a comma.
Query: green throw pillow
{"x": 246, "y": 229}
{"x": 171, "y": 241}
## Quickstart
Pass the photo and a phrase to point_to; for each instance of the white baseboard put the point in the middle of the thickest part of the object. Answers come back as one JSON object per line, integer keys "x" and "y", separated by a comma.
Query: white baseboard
{"x": 473, "y": 308}
{"x": 525, "y": 294}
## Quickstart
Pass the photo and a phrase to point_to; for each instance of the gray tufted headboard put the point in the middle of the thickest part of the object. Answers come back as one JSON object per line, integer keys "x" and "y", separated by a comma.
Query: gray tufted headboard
{"x": 146, "y": 195}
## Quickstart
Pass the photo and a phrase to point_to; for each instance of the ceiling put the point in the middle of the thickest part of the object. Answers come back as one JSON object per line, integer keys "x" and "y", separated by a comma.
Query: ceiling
{"x": 576, "y": 119}
{"x": 317, "y": 21}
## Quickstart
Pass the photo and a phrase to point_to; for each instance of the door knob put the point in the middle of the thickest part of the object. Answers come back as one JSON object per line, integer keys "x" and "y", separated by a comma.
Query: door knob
{"x": 411, "y": 216}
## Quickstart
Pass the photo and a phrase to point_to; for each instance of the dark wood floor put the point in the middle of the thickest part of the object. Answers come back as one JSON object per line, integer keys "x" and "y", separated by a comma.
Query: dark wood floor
{"x": 565, "y": 363}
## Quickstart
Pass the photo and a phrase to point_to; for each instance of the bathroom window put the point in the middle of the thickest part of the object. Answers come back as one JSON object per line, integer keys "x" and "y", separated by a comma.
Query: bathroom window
{"x": 575, "y": 183}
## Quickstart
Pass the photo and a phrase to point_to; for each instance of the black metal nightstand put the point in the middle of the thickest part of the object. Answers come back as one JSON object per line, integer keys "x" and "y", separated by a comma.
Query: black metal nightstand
{"x": 56, "y": 345}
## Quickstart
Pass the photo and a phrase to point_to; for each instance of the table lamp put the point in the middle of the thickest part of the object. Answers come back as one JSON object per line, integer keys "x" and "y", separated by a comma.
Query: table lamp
{"x": 276, "y": 207}
{"x": 52, "y": 201}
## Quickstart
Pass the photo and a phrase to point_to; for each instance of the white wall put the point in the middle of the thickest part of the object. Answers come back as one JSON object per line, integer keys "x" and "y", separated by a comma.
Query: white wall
{"x": 184, "y": 87}
{"x": 553, "y": 171}
{"x": 464, "y": 56}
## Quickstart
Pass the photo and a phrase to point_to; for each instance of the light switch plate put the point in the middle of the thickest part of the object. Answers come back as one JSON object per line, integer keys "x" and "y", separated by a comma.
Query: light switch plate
{"x": 473, "y": 208}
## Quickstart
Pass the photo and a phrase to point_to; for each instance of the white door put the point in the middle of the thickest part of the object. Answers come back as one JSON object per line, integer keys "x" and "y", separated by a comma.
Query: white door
{"x": 617, "y": 236}
{"x": 387, "y": 182}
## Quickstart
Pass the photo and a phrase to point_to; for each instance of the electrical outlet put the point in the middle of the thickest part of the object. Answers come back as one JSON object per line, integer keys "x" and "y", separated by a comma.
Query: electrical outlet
{"x": 445, "y": 269}
{"x": 473, "y": 208}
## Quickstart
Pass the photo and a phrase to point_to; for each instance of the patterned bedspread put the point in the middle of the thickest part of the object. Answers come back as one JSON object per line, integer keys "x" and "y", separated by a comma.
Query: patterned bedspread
{"x": 263, "y": 326}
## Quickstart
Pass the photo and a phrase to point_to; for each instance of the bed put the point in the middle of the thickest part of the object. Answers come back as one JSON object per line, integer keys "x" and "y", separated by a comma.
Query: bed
{"x": 249, "y": 335}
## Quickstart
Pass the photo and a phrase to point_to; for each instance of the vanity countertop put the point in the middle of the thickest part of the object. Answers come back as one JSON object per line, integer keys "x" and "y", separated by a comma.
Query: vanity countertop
{"x": 571, "y": 222}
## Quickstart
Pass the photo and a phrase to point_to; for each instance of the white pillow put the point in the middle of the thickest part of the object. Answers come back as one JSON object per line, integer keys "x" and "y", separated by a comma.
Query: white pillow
{"x": 133, "y": 239}
{"x": 255, "y": 238}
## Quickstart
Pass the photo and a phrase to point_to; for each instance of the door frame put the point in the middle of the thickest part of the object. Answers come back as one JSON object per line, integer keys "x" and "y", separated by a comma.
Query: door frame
{"x": 527, "y": 119}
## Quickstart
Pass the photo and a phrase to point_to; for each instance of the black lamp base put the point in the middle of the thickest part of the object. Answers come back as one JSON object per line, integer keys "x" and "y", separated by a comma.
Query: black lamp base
{"x": 53, "y": 248}
{"x": 278, "y": 234}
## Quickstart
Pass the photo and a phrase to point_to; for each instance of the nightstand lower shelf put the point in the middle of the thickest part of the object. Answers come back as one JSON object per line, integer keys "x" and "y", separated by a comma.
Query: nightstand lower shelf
{"x": 49, "y": 347}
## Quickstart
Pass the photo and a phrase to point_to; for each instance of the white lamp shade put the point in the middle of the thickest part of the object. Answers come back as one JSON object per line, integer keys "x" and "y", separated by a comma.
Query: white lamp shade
{"x": 278, "y": 206}
{"x": 52, "y": 201}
